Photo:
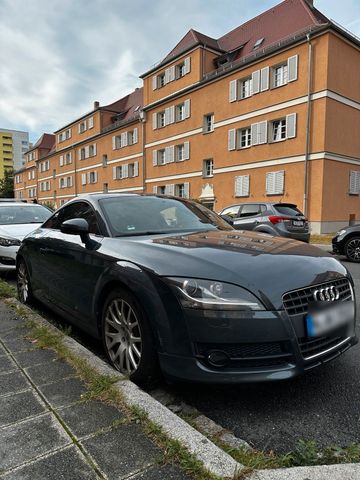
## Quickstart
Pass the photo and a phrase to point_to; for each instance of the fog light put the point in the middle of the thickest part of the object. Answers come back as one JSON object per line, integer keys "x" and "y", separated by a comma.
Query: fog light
{"x": 218, "y": 358}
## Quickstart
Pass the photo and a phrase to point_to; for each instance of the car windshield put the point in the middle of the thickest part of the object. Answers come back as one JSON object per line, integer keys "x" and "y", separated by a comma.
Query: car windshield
{"x": 290, "y": 210}
{"x": 20, "y": 214}
{"x": 147, "y": 215}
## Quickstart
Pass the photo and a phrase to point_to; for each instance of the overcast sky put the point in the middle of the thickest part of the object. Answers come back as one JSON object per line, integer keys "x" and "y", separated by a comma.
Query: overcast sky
{"x": 57, "y": 57}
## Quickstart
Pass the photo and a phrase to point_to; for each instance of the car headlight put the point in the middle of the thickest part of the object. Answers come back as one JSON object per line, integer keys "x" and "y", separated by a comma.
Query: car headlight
{"x": 211, "y": 294}
{"x": 9, "y": 242}
{"x": 340, "y": 232}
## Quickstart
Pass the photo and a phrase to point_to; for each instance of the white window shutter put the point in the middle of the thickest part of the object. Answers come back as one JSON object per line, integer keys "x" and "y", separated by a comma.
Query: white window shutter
{"x": 83, "y": 179}
{"x": 79, "y": 128}
{"x": 171, "y": 154}
{"x": 94, "y": 149}
{"x": 232, "y": 139}
{"x": 233, "y": 90}
{"x": 187, "y": 108}
{"x": 61, "y": 160}
{"x": 254, "y": 134}
{"x": 172, "y": 114}
{"x": 79, "y": 155}
{"x": 354, "y": 183}
{"x": 187, "y": 65}
{"x": 135, "y": 135}
{"x": 171, "y": 189}
{"x": 262, "y": 132}
{"x": 167, "y": 154}
{"x": 88, "y": 177}
{"x": 154, "y": 121}
{"x": 265, "y": 72}
{"x": 154, "y": 82}
{"x": 155, "y": 190}
{"x": 279, "y": 182}
{"x": 91, "y": 122}
{"x": 167, "y": 116}
{"x": 186, "y": 190}
{"x": 125, "y": 171}
{"x": 60, "y": 182}
{"x": 291, "y": 125}
{"x": 70, "y": 181}
{"x": 292, "y": 68}
{"x": 256, "y": 81}
{"x": 114, "y": 173}
{"x": 270, "y": 183}
{"x": 172, "y": 73}
{"x": 95, "y": 177}
{"x": 154, "y": 158}
{"x": 87, "y": 152}
{"x": 186, "y": 150}
{"x": 136, "y": 169}
{"x": 167, "y": 75}
{"x": 242, "y": 184}
{"x": 124, "y": 139}
{"x": 114, "y": 142}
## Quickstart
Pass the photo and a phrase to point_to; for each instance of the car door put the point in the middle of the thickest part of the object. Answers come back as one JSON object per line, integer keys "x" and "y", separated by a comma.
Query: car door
{"x": 230, "y": 213}
{"x": 248, "y": 217}
{"x": 75, "y": 267}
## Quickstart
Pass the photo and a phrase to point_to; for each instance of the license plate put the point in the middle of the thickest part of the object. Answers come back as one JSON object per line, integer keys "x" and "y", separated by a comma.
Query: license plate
{"x": 298, "y": 223}
{"x": 325, "y": 319}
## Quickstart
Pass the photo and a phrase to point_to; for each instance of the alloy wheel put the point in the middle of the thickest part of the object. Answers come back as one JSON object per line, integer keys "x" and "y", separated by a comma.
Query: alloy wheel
{"x": 353, "y": 249}
{"x": 123, "y": 336}
{"x": 23, "y": 283}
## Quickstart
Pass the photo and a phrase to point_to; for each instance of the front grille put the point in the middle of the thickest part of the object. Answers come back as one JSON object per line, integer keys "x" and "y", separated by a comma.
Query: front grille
{"x": 297, "y": 301}
{"x": 311, "y": 347}
{"x": 7, "y": 261}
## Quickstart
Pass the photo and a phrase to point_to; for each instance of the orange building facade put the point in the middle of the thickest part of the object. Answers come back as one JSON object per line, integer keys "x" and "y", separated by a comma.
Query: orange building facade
{"x": 265, "y": 113}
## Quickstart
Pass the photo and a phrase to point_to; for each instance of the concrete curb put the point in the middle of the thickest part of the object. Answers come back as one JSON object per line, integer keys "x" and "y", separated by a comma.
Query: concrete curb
{"x": 215, "y": 460}
{"x": 350, "y": 471}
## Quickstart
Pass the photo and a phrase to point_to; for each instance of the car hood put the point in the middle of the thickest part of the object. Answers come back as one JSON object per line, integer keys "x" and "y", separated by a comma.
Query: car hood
{"x": 18, "y": 231}
{"x": 266, "y": 265}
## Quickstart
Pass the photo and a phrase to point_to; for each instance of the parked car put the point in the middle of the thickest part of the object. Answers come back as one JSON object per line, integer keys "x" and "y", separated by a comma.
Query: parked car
{"x": 169, "y": 286}
{"x": 283, "y": 219}
{"x": 347, "y": 242}
{"x": 17, "y": 219}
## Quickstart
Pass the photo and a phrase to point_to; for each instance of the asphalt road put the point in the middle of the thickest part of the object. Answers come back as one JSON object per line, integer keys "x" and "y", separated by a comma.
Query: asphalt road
{"x": 323, "y": 405}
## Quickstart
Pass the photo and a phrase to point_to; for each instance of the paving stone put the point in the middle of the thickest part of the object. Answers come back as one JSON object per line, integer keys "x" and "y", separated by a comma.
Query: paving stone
{"x": 12, "y": 382}
{"x": 34, "y": 356}
{"x": 122, "y": 451}
{"x": 2, "y": 350}
{"x": 27, "y": 440}
{"x": 15, "y": 341}
{"x": 19, "y": 406}
{"x": 63, "y": 465}
{"x": 8, "y": 322}
{"x": 167, "y": 472}
{"x": 50, "y": 372}
{"x": 6, "y": 364}
{"x": 64, "y": 392}
{"x": 88, "y": 417}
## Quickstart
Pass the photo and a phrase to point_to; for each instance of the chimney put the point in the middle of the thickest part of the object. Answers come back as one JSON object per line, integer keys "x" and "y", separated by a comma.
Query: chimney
{"x": 96, "y": 105}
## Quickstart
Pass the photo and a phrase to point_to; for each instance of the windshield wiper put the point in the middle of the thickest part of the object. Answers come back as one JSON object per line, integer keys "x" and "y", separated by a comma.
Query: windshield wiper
{"x": 148, "y": 232}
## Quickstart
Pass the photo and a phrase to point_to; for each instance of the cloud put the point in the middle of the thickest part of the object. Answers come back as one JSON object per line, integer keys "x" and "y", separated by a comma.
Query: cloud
{"x": 58, "y": 57}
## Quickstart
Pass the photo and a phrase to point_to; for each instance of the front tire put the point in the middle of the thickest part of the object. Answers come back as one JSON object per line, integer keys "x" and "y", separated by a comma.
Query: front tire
{"x": 352, "y": 249}
{"x": 127, "y": 338}
{"x": 23, "y": 283}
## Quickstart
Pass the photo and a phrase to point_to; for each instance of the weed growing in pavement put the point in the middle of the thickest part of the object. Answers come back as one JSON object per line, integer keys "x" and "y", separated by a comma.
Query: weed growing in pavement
{"x": 7, "y": 290}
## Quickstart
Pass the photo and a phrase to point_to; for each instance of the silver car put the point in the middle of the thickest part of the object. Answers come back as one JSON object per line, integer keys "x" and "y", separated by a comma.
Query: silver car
{"x": 280, "y": 219}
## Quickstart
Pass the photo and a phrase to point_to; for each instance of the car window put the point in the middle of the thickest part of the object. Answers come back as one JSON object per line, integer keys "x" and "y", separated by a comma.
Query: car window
{"x": 74, "y": 210}
{"x": 140, "y": 215}
{"x": 249, "y": 210}
{"x": 231, "y": 211}
{"x": 290, "y": 210}
{"x": 19, "y": 214}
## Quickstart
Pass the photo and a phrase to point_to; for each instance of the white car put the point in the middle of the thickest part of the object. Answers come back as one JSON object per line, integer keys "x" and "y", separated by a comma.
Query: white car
{"x": 17, "y": 219}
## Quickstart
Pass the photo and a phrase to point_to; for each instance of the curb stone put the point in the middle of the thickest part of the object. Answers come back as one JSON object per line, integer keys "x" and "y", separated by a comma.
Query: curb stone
{"x": 215, "y": 460}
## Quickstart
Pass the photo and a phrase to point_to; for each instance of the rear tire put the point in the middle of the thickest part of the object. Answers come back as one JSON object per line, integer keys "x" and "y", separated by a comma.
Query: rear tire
{"x": 127, "y": 338}
{"x": 352, "y": 249}
{"x": 23, "y": 283}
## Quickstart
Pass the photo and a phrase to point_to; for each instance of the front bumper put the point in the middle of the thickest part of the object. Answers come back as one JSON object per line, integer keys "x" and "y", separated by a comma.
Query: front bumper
{"x": 8, "y": 258}
{"x": 269, "y": 346}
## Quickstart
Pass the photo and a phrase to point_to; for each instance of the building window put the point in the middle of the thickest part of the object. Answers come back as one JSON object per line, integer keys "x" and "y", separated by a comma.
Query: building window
{"x": 92, "y": 177}
{"x": 246, "y": 87}
{"x": 180, "y": 70}
{"x": 82, "y": 154}
{"x": 91, "y": 150}
{"x": 280, "y": 75}
{"x": 242, "y": 189}
{"x": 161, "y": 80}
{"x": 104, "y": 160}
{"x": 82, "y": 127}
{"x": 161, "y": 157}
{"x": 161, "y": 120}
{"x": 245, "y": 137}
{"x": 68, "y": 158}
{"x": 275, "y": 183}
{"x": 208, "y": 168}
{"x": 354, "y": 182}
{"x": 180, "y": 152}
{"x": 161, "y": 190}
{"x": 278, "y": 130}
{"x": 106, "y": 188}
{"x": 180, "y": 112}
{"x": 208, "y": 124}
{"x": 131, "y": 170}
{"x": 180, "y": 190}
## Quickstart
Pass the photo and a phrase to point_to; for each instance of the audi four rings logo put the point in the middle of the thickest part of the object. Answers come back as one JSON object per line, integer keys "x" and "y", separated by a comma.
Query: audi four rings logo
{"x": 328, "y": 294}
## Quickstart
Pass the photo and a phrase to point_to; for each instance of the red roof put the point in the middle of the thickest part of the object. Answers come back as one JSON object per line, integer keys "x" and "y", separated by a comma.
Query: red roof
{"x": 128, "y": 105}
{"x": 277, "y": 23}
{"x": 46, "y": 141}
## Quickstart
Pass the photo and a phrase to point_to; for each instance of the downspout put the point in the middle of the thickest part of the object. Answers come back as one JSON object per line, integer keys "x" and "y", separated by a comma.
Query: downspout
{"x": 143, "y": 133}
{"x": 308, "y": 125}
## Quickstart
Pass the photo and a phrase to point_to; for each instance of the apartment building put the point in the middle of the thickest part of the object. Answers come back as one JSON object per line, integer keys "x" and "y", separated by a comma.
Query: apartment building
{"x": 13, "y": 145}
{"x": 268, "y": 112}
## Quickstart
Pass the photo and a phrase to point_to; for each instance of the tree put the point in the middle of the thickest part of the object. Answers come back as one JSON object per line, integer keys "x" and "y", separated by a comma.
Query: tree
{"x": 7, "y": 184}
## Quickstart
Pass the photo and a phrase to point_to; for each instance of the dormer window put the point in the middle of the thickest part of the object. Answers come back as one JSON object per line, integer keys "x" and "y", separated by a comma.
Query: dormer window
{"x": 258, "y": 43}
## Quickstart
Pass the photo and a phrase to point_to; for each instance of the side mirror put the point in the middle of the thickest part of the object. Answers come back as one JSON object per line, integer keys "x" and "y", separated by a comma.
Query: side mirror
{"x": 227, "y": 219}
{"x": 76, "y": 226}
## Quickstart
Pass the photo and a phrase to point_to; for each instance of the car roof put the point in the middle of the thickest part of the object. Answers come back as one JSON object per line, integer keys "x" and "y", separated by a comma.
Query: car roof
{"x": 18, "y": 204}
{"x": 285, "y": 204}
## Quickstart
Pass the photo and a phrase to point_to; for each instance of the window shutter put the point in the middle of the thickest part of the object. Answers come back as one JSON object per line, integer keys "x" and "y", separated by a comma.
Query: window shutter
{"x": 124, "y": 139}
{"x": 292, "y": 68}
{"x": 262, "y": 131}
{"x": 79, "y": 128}
{"x": 79, "y": 154}
{"x": 291, "y": 125}
{"x": 83, "y": 179}
{"x": 135, "y": 135}
{"x": 136, "y": 169}
{"x": 125, "y": 171}
{"x": 171, "y": 154}
{"x": 187, "y": 65}
{"x": 88, "y": 177}
{"x": 254, "y": 134}
{"x": 256, "y": 81}
{"x": 70, "y": 181}
{"x": 154, "y": 158}
{"x": 167, "y": 154}
{"x": 187, "y": 108}
{"x": 95, "y": 177}
{"x": 87, "y": 152}
{"x": 265, "y": 78}
{"x": 60, "y": 182}
{"x": 154, "y": 82}
{"x": 91, "y": 122}
{"x": 279, "y": 182}
{"x": 114, "y": 142}
{"x": 186, "y": 190}
{"x": 171, "y": 189}
{"x": 155, "y": 190}
{"x": 114, "y": 173}
{"x": 233, "y": 90}
{"x": 270, "y": 183}
{"x": 172, "y": 73}
{"x": 354, "y": 183}
{"x": 167, "y": 116}
{"x": 94, "y": 149}
{"x": 242, "y": 186}
{"x": 232, "y": 139}
{"x": 61, "y": 160}
{"x": 186, "y": 150}
{"x": 154, "y": 121}
{"x": 172, "y": 114}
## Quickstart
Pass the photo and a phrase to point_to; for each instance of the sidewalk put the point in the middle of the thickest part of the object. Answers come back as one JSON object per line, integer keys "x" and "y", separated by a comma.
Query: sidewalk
{"x": 49, "y": 431}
